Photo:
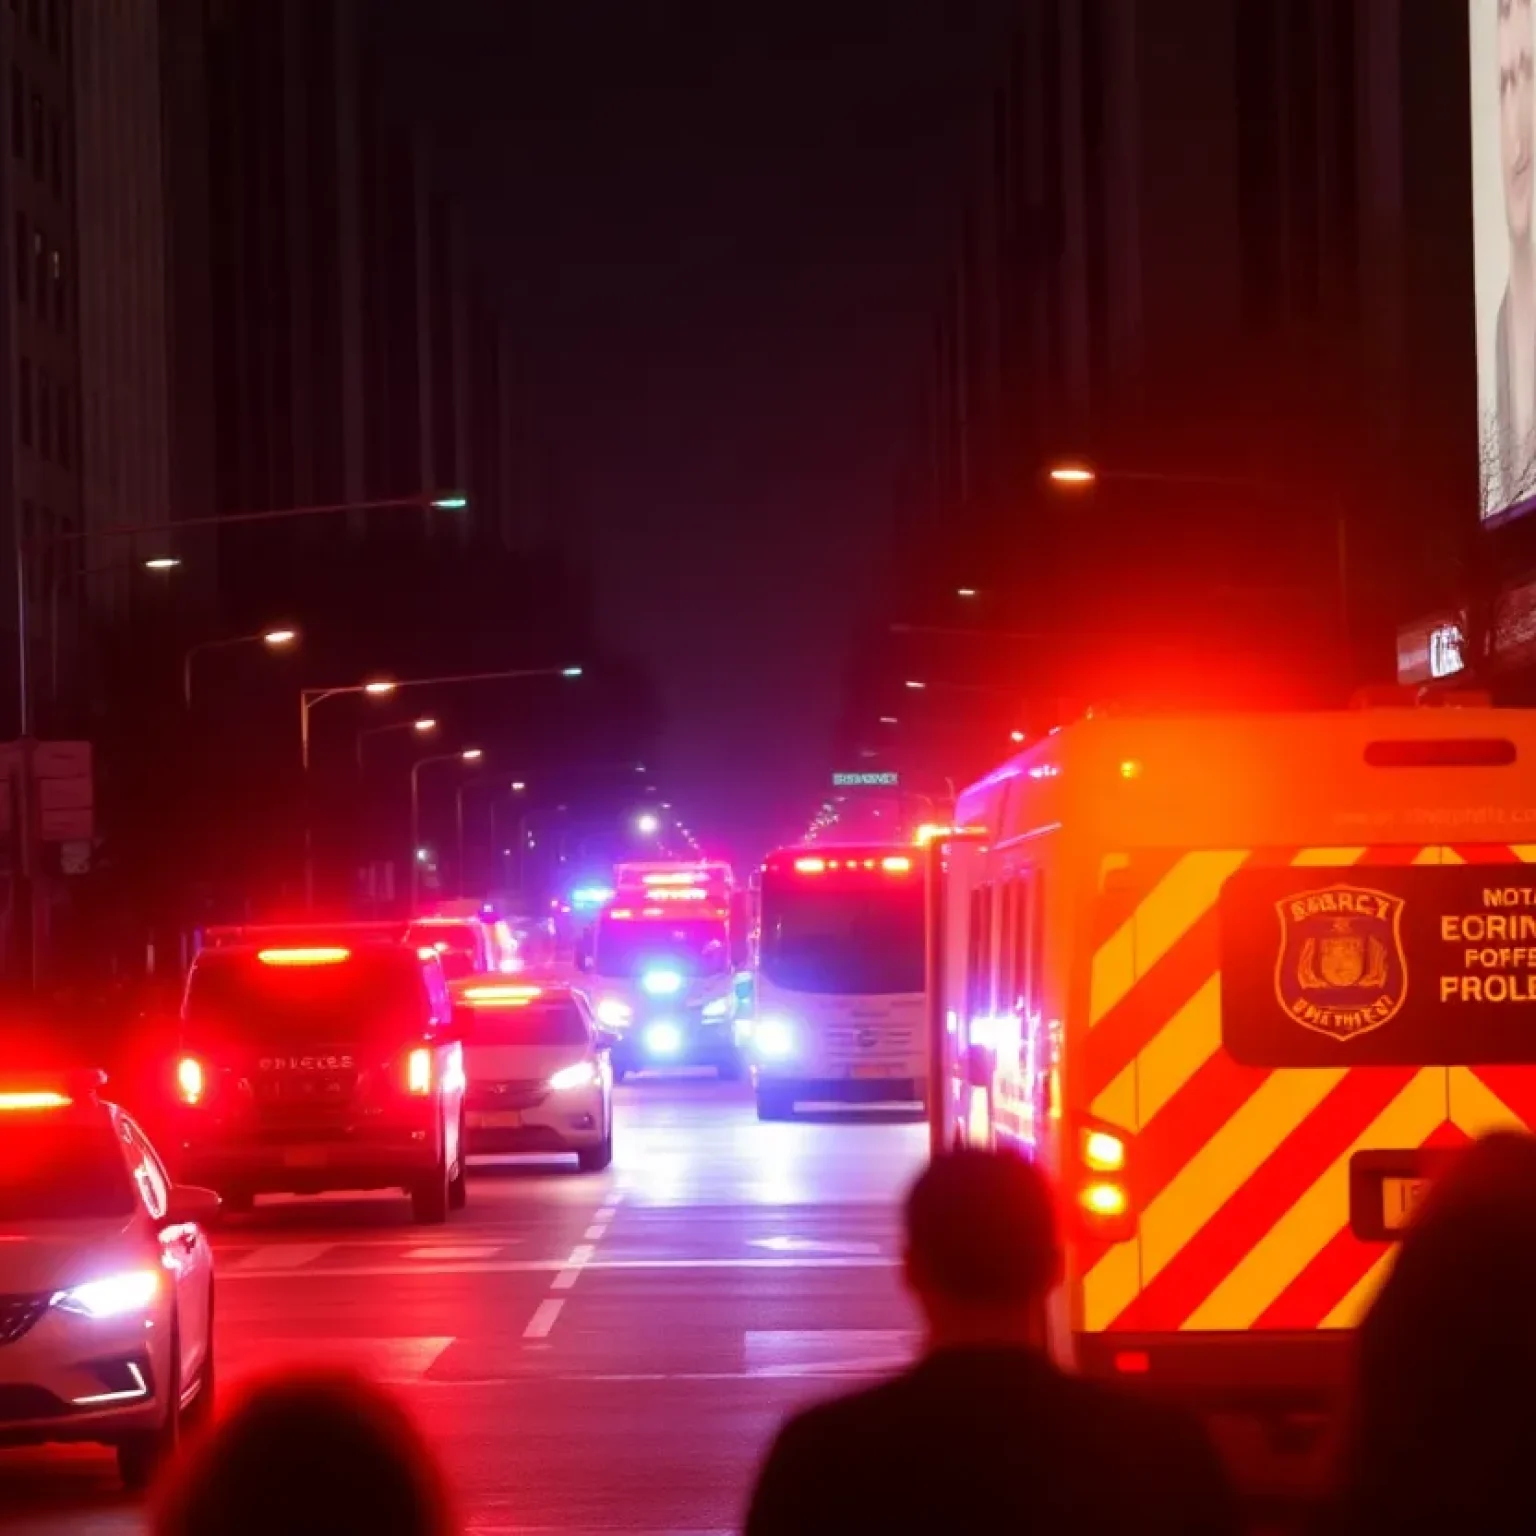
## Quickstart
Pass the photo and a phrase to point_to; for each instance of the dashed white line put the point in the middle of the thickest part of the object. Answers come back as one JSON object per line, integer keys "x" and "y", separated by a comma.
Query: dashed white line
{"x": 537, "y": 1266}
{"x": 543, "y": 1318}
{"x": 276, "y": 1257}
{"x": 581, "y": 1256}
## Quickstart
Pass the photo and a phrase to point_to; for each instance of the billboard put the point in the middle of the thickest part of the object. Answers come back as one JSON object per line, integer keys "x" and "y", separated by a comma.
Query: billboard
{"x": 1503, "y": 103}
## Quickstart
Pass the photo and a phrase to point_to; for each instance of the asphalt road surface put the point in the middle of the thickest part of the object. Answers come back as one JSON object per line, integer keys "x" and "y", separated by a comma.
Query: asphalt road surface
{"x": 589, "y": 1354}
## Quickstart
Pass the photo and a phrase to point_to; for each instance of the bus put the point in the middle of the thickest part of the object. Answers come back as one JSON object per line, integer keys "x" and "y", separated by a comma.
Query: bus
{"x": 840, "y": 984}
{"x": 1240, "y": 983}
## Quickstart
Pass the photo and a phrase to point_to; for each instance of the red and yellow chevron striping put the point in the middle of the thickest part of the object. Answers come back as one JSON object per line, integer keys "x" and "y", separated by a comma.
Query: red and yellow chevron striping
{"x": 1242, "y": 1173}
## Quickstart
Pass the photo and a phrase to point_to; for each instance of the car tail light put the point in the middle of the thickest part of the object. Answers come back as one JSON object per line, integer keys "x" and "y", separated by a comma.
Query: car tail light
{"x": 1105, "y": 1208}
{"x": 191, "y": 1081}
{"x": 418, "y": 1071}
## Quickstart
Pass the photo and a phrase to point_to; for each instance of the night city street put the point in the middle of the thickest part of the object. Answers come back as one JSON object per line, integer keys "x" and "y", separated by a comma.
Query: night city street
{"x": 589, "y": 1354}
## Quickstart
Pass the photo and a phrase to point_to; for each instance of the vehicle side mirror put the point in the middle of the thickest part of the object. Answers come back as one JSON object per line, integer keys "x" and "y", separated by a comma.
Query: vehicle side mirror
{"x": 189, "y": 1205}
{"x": 607, "y": 1039}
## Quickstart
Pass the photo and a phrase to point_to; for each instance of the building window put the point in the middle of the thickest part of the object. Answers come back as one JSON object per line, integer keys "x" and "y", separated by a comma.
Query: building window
{"x": 56, "y": 155}
{"x": 24, "y": 402}
{"x": 39, "y": 143}
{"x": 18, "y": 114}
{"x": 22, "y": 260}
{"x": 56, "y": 282}
{"x": 65, "y": 435}
{"x": 44, "y": 415}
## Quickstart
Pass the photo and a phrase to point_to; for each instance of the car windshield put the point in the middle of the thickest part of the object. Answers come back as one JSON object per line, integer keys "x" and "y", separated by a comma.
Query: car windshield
{"x": 864, "y": 941}
{"x": 359, "y": 998}
{"x": 544, "y": 1023}
{"x": 61, "y": 1170}
{"x": 457, "y": 945}
{"x": 625, "y": 948}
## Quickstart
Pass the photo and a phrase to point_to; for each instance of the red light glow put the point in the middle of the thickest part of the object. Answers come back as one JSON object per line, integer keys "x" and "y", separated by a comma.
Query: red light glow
{"x": 324, "y": 956}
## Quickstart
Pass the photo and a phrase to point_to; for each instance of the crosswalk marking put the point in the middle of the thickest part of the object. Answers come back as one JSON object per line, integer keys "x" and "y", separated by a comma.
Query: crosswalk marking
{"x": 275, "y": 1257}
{"x": 543, "y": 1318}
{"x": 393, "y": 1361}
{"x": 542, "y": 1266}
{"x": 828, "y": 1351}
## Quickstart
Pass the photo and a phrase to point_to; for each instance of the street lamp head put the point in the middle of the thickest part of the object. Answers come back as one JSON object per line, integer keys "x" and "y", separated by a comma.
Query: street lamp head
{"x": 889, "y": 720}
{"x": 162, "y": 563}
{"x": 471, "y": 755}
{"x": 965, "y": 591}
{"x": 1073, "y": 474}
{"x": 451, "y": 501}
{"x": 570, "y": 672}
{"x": 912, "y": 683}
{"x": 425, "y": 725}
{"x": 646, "y": 824}
{"x": 1016, "y": 737}
{"x": 379, "y": 689}
{"x": 518, "y": 786}
{"x": 280, "y": 637}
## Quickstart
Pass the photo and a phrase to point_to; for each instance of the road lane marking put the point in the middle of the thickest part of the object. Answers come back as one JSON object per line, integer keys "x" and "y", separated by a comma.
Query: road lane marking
{"x": 594, "y": 1233}
{"x": 273, "y": 1257}
{"x": 581, "y": 1256}
{"x": 395, "y": 1361}
{"x": 543, "y": 1318}
{"x": 485, "y": 1251}
{"x": 552, "y": 1266}
{"x": 810, "y": 1245}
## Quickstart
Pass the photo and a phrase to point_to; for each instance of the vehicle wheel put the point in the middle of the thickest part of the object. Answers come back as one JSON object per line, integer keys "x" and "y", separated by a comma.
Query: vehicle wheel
{"x": 430, "y": 1199}
{"x": 774, "y": 1104}
{"x": 458, "y": 1185}
{"x": 595, "y": 1159}
{"x": 141, "y": 1455}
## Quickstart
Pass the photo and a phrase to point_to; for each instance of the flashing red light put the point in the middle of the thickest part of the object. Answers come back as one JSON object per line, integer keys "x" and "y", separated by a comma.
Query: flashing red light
{"x": 319, "y": 956}
{"x": 896, "y": 865}
{"x": 1133, "y": 1362}
{"x": 686, "y": 877}
{"x": 810, "y": 866}
{"x": 621, "y": 912}
{"x": 190, "y": 1082}
{"x": 39, "y": 1100}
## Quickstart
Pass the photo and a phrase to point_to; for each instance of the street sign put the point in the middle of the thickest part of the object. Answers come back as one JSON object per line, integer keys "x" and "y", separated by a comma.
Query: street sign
{"x": 866, "y": 780}
{"x": 63, "y": 789}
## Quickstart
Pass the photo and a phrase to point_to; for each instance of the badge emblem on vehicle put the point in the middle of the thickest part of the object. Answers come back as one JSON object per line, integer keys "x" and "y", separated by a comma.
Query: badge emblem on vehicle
{"x": 1341, "y": 970}
{"x": 868, "y": 1039}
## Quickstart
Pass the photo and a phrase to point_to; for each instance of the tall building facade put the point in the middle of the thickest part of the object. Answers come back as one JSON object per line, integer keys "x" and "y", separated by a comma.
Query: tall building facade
{"x": 1216, "y": 252}
{"x": 40, "y": 398}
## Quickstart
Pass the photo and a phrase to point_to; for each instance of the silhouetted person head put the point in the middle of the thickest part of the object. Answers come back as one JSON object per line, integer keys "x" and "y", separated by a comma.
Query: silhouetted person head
{"x": 982, "y": 1248}
{"x": 309, "y": 1453}
{"x": 1445, "y": 1410}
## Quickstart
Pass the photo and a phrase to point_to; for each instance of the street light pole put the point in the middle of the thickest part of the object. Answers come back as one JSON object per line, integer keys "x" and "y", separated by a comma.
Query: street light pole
{"x": 469, "y": 755}
{"x": 269, "y": 637}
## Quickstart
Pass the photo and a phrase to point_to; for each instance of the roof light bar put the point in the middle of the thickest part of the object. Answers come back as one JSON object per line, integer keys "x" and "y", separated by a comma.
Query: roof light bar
{"x": 34, "y": 1100}
{"x": 313, "y": 956}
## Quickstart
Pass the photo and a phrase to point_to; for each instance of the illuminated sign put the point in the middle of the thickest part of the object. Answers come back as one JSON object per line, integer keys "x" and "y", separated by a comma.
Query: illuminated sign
{"x": 866, "y": 780}
{"x": 1445, "y": 651}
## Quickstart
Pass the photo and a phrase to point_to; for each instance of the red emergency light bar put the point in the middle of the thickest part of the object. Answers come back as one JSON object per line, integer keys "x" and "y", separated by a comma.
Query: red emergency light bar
{"x": 676, "y": 893}
{"x": 847, "y": 862}
{"x": 681, "y": 877}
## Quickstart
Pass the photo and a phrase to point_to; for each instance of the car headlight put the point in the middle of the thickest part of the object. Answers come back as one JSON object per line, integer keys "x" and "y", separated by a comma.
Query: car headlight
{"x": 661, "y": 983}
{"x": 774, "y": 1038}
{"x": 664, "y": 1039}
{"x": 613, "y": 1014}
{"x": 718, "y": 1008}
{"x": 580, "y": 1074}
{"x": 112, "y": 1296}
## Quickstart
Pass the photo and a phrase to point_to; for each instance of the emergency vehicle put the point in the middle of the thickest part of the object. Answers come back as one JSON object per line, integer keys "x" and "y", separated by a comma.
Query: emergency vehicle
{"x": 313, "y": 1060}
{"x": 658, "y": 967}
{"x": 471, "y": 939}
{"x": 1241, "y": 984}
{"x": 840, "y": 985}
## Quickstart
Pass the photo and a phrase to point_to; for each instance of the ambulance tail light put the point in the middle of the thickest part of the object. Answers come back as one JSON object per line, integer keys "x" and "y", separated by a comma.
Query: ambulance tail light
{"x": 1105, "y": 1209}
{"x": 418, "y": 1072}
{"x": 191, "y": 1081}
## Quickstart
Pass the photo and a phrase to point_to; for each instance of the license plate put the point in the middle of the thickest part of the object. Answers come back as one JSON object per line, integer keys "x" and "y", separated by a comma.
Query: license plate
{"x": 873, "y": 1069}
{"x": 495, "y": 1120}
{"x": 305, "y": 1157}
{"x": 1400, "y": 1198}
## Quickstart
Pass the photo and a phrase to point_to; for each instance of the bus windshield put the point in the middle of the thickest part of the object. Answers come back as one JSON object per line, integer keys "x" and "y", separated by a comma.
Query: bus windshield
{"x": 624, "y": 948}
{"x": 866, "y": 941}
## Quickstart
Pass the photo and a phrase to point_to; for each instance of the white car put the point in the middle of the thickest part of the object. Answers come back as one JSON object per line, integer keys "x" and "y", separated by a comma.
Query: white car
{"x": 106, "y": 1279}
{"x": 538, "y": 1073}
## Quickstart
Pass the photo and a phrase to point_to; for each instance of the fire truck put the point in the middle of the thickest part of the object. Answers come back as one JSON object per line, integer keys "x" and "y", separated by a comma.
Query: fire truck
{"x": 1241, "y": 984}
{"x": 659, "y": 967}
